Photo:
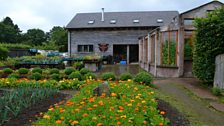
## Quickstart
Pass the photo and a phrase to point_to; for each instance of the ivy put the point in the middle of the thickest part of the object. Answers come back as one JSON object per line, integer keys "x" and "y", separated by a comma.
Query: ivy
{"x": 209, "y": 43}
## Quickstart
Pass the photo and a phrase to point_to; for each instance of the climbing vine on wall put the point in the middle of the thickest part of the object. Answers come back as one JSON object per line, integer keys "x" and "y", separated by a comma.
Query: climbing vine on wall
{"x": 169, "y": 53}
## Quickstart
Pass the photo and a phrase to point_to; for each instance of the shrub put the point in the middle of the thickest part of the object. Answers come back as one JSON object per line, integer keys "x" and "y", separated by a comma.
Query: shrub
{"x": 13, "y": 75}
{"x": 3, "y": 53}
{"x": 55, "y": 77}
{"x": 78, "y": 65}
{"x": 23, "y": 71}
{"x": 209, "y": 43}
{"x": 216, "y": 91}
{"x": 90, "y": 76}
{"x": 36, "y": 76}
{"x": 37, "y": 70}
{"x": 84, "y": 71}
{"x": 144, "y": 77}
{"x": 69, "y": 70}
{"x": 7, "y": 71}
{"x": 74, "y": 75}
{"x": 125, "y": 76}
{"x": 108, "y": 76}
{"x": 54, "y": 71}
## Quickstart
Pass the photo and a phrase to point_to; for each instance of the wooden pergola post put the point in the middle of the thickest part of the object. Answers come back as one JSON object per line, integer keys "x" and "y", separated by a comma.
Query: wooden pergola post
{"x": 168, "y": 47}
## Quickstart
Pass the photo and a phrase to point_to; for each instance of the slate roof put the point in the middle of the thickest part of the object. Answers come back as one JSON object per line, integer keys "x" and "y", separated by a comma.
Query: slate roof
{"x": 123, "y": 19}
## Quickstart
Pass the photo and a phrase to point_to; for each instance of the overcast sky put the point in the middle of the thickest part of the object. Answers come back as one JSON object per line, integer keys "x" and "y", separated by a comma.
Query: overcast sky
{"x": 45, "y": 14}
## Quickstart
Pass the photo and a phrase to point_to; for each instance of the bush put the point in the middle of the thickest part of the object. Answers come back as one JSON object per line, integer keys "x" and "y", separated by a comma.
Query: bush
{"x": 90, "y": 76}
{"x": 7, "y": 71}
{"x": 78, "y": 65}
{"x": 36, "y": 76}
{"x": 125, "y": 76}
{"x": 209, "y": 43}
{"x": 216, "y": 91}
{"x": 37, "y": 70}
{"x": 74, "y": 75}
{"x": 3, "y": 53}
{"x": 13, "y": 75}
{"x": 23, "y": 71}
{"x": 55, "y": 77}
{"x": 144, "y": 77}
{"x": 69, "y": 70}
{"x": 108, "y": 76}
{"x": 54, "y": 71}
{"x": 84, "y": 71}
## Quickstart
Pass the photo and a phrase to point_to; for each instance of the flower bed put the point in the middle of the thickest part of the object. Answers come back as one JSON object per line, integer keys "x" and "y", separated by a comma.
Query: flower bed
{"x": 129, "y": 104}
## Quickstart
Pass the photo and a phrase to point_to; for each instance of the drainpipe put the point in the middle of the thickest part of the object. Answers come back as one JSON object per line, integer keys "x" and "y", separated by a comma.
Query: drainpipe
{"x": 155, "y": 71}
{"x": 102, "y": 18}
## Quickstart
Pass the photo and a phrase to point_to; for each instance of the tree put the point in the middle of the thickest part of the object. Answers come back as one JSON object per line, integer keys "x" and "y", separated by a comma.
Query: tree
{"x": 58, "y": 35}
{"x": 9, "y": 32}
{"x": 209, "y": 43}
{"x": 35, "y": 37}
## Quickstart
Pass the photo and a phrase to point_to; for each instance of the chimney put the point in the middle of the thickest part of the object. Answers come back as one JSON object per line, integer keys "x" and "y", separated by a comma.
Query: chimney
{"x": 102, "y": 18}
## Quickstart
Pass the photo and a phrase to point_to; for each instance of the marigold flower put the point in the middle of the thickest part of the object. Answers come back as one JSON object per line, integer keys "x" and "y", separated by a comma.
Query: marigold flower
{"x": 113, "y": 94}
{"x": 90, "y": 109}
{"x": 121, "y": 108}
{"x": 94, "y": 106}
{"x": 58, "y": 122}
{"x": 129, "y": 104}
{"x": 46, "y": 117}
{"x": 94, "y": 118}
{"x": 143, "y": 101}
{"x": 123, "y": 116}
{"x": 91, "y": 99}
{"x": 136, "y": 88}
{"x": 160, "y": 124}
{"x": 136, "y": 109}
{"x": 50, "y": 109}
{"x": 118, "y": 123}
{"x": 75, "y": 122}
{"x": 62, "y": 118}
{"x": 99, "y": 124}
{"x": 162, "y": 112}
{"x": 129, "y": 80}
{"x": 85, "y": 114}
{"x": 144, "y": 122}
{"x": 101, "y": 103}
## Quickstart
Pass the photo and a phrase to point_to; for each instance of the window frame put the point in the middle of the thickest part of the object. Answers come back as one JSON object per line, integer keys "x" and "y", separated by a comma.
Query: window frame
{"x": 87, "y": 48}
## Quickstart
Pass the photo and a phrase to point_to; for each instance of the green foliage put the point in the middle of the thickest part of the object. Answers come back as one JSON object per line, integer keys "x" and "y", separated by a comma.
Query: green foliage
{"x": 144, "y": 78}
{"x": 188, "y": 49}
{"x": 84, "y": 71}
{"x": 37, "y": 70}
{"x": 7, "y": 71}
{"x": 108, "y": 76}
{"x": 78, "y": 65}
{"x": 209, "y": 43}
{"x": 23, "y": 71}
{"x": 69, "y": 70}
{"x": 90, "y": 76}
{"x": 55, "y": 77}
{"x": 3, "y": 53}
{"x": 76, "y": 75}
{"x": 20, "y": 98}
{"x": 35, "y": 36}
{"x": 15, "y": 46}
{"x": 216, "y": 91}
{"x": 36, "y": 76}
{"x": 54, "y": 71}
{"x": 125, "y": 76}
{"x": 13, "y": 75}
{"x": 172, "y": 49}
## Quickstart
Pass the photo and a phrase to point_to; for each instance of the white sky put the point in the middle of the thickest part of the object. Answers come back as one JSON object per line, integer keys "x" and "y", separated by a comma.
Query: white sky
{"x": 45, "y": 14}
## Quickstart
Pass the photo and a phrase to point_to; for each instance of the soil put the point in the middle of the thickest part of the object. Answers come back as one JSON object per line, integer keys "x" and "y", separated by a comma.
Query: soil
{"x": 30, "y": 114}
{"x": 176, "y": 118}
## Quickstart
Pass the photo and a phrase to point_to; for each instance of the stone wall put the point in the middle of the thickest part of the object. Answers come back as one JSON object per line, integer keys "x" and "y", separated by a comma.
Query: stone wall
{"x": 219, "y": 72}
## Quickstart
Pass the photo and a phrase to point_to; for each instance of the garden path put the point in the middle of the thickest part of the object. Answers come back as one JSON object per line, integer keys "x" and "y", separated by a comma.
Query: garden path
{"x": 194, "y": 99}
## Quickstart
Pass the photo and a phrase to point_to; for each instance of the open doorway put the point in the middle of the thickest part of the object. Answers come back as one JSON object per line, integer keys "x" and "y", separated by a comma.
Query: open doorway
{"x": 119, "y": 53}
{"x": 133, "y": 57}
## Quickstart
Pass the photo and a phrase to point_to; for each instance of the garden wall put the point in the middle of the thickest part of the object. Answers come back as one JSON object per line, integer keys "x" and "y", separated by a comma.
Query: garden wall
{"x": 219, "y": 72}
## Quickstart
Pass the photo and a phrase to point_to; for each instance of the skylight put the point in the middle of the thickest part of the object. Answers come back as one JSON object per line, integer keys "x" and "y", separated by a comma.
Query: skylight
{"x": 135, "y": 21}
{"x": 159, "y": 20}
{"x": 113, "y": 21}
{"x": 91, "y": 22}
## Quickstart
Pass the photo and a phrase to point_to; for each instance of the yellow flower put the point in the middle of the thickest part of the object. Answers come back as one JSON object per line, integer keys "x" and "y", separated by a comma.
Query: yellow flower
{"x": 58, "y": 122}
{"x": 50, "y": 109}
{"x": 137, "y": 96}
{"x": 113, "y": 94}
{"x": 129, "y": 104}
{"x": 136, "y": 88}
{"x": 75, "y": 122}
{"x": 129, "y": 80}
{"x": 123, "y": 116}
{"x": 132, "y": 100}
{"x": 46, "y": 117}
{"x": 143, "y": 102}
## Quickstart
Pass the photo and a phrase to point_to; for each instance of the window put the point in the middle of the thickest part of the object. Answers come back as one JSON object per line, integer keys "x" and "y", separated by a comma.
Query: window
{"x": 159, "y": 20}
{"x": 188, "y": 21}
{"x": 85, "y": 48}
{"x": 113, "y": 21}
{"x": 135, "y": 21}
{"x": 91, "y": 22}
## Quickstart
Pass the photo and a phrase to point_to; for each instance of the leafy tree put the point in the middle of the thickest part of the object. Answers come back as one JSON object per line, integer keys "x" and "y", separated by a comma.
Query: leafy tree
{"x": 9, "y": 32}
{"x": 58, "y": 35}
{"x": 35, "y": 36}
{"x": 209, "y": 43}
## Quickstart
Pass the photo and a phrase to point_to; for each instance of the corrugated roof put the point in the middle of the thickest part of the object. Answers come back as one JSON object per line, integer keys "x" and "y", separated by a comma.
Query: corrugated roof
{"x": 123, "y": 19}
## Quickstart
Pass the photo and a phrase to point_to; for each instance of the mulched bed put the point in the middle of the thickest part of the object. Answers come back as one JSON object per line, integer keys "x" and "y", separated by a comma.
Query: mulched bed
{"x": 176, "y": 118}
{"x": 29, "y": 115}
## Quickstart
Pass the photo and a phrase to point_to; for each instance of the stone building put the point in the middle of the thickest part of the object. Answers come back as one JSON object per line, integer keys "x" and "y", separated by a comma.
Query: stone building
{"x": 167, "y": 51}
{"x": 113, "y": 34}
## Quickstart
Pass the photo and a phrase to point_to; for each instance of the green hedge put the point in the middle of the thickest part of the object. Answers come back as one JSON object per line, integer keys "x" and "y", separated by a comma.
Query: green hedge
{"x": 3, "y": 53}
{"x": 209, "y": 44}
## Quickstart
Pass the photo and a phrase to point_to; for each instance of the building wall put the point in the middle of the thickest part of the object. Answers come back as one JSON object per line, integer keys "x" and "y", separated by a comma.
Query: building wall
{"x": 111, "y": 37}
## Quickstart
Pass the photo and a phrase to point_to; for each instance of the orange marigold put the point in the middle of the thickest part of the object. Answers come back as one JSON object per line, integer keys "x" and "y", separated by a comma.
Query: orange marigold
{"x": 85, "y": 114}
{"x": 121, "y": 108}
{"x": 75, "y": 122}
{"x": 162, "y": 112}
{"x": 90, "y": 109}
{"x": 58, "y": 122}
{"x": 99, "y": 124}
{"x": 160, "y": 124}
{"x": 118, "y": 123}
